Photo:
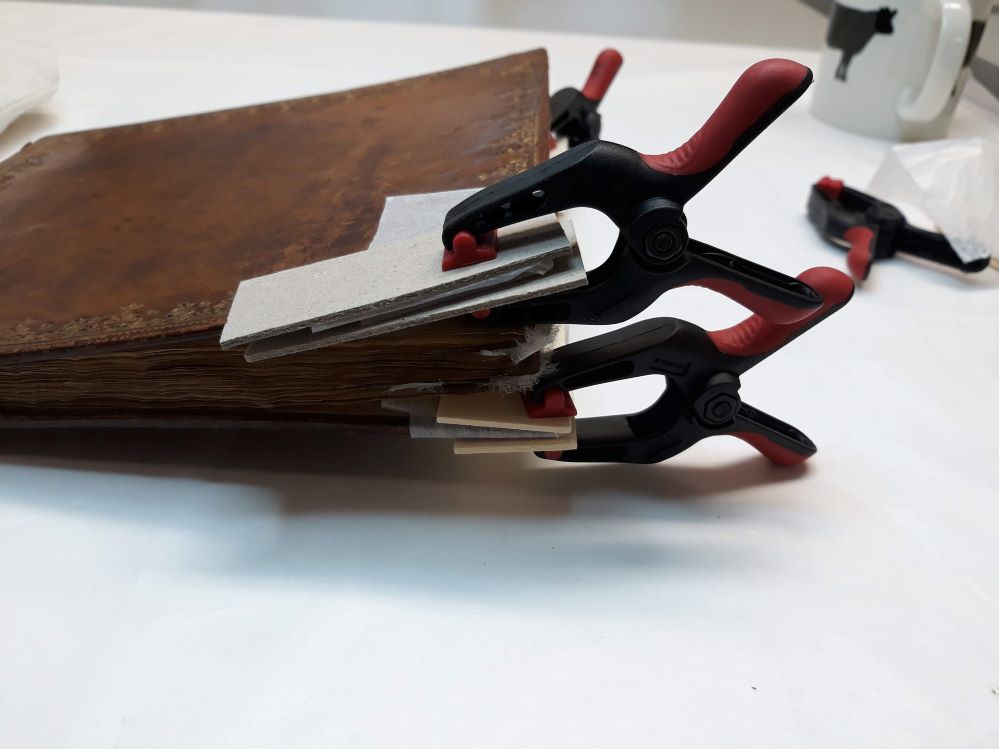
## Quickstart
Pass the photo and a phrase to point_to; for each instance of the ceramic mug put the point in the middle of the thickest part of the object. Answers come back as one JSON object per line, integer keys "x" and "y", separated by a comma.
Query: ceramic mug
{"x": 896, "y": 68}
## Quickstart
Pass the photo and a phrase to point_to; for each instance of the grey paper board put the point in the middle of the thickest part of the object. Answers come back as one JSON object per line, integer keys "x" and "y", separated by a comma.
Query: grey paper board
{"x": 393, "y": 275}
{"x": 567, "y": 273}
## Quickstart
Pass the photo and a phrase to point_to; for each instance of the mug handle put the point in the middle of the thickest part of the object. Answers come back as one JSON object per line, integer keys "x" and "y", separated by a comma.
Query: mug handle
{"x": 948, "y": 59}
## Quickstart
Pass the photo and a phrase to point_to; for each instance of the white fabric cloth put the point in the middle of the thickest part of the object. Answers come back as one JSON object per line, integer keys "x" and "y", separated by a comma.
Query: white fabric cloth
{"x": 29, "y": 76}
{"x": 953, "y": 182}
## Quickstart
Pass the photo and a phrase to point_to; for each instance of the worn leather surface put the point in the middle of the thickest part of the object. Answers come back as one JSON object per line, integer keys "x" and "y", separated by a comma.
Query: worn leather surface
{"x": 141, "y": 232}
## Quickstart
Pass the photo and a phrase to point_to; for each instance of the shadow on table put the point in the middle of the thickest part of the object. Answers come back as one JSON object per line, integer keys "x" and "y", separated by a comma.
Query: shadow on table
{"x": 307, "y": 469}
{"x": 28, "y": 127}
{"x": 323, "y": 506}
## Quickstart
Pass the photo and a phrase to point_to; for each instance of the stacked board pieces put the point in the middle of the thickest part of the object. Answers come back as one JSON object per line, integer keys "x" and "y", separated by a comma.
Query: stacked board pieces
{"x": 470, "y": 446}
{"x": 398, "y": 282}
{"x": 423, "y": 424}
{"x": 496, "y": 410}
{"x": 485, "y": 422}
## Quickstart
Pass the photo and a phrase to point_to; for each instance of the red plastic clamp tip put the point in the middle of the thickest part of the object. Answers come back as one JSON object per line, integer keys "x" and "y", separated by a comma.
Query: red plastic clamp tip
{"x": 555, "y": 402}
{"x": 830, "y": 187}
{"x": 771, "y": 450}
{"x": 860, "y": 257}
{"x": 466, "y": 249}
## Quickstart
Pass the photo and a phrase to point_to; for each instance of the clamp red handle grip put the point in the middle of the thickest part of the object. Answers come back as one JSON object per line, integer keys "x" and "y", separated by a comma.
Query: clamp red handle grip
{"x": 760, "y": 95}
{"x": 602, "y": 74}
{"x": 771, "y": 309}
{"x": 756, "y": 335}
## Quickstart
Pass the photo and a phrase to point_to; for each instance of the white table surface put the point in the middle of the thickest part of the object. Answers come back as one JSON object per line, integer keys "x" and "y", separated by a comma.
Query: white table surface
{"x": 302, "y": 590}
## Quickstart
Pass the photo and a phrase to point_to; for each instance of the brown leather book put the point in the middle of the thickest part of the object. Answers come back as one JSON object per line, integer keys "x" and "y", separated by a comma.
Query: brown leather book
{"x": 121, "y": 248}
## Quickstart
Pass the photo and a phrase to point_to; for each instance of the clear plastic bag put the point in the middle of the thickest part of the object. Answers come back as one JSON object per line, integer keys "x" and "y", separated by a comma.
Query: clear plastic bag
{"x": 953, "y": 183}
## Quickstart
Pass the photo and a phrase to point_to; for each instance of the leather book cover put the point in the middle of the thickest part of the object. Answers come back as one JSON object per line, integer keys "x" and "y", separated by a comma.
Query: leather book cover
{"x": 121, "y": 248}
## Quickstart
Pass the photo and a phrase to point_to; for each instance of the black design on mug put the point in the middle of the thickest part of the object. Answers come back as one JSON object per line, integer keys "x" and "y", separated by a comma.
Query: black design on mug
{"x": 851, "y": 29}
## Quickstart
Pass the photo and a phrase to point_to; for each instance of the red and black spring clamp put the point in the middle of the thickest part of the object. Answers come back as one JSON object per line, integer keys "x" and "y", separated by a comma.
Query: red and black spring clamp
{"x": 574, "y": 114}
{"x": 645, "y": 197}
{"x": 872, "y": 229}
{"x": 702, "y": 370}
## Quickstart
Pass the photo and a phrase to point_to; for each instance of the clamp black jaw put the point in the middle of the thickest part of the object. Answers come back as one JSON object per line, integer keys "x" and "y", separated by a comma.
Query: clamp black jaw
{"x": 574, "y": 117}
{"x": 574, "y": 114}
